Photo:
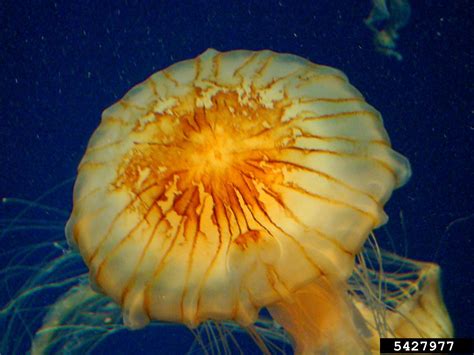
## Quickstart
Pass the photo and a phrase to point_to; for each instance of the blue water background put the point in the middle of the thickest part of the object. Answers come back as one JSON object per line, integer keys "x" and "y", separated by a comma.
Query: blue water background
{"x": 62, "y": 63}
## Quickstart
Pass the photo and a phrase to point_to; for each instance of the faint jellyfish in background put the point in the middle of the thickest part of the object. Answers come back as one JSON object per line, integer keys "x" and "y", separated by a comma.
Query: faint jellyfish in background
{"x": 385, "y": 20}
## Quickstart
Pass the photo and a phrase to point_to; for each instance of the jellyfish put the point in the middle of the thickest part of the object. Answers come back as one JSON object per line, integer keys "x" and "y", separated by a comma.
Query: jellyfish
{"x": 237, "y": 191}
{"x": 386, "y": 18}
{"x": 233, "y": 182}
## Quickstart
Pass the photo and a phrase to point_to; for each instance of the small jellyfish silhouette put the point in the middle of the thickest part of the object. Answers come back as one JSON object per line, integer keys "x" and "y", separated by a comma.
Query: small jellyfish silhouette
{"x": 237, "y": 181}
{"x": 386, "y": 18}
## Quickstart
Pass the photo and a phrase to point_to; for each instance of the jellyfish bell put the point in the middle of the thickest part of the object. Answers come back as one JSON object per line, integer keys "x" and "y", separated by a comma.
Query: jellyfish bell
{"x": 231, "y": 182}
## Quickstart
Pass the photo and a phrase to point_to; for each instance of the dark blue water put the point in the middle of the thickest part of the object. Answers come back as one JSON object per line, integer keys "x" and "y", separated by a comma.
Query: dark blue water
{"x": 62, "y": 64}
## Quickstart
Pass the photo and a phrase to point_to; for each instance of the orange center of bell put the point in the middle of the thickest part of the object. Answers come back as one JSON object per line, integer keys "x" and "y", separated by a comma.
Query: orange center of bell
{"x": 212, "y": 153}
{"x": 217, "y": 146}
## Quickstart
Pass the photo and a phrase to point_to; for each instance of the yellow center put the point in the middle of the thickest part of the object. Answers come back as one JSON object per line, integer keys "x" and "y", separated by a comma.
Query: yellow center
{"x": 215, "y": 146}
